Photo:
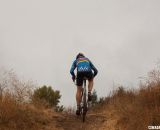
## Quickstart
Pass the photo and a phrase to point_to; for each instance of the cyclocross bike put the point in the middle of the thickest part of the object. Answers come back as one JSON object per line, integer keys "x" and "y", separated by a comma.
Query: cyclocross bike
{"x": 84, "y": 106}
{"x": 84, "y": 103}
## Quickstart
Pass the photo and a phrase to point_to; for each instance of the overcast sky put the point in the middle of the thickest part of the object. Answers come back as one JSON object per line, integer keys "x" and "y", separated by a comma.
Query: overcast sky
{"x": 39, "y": 39}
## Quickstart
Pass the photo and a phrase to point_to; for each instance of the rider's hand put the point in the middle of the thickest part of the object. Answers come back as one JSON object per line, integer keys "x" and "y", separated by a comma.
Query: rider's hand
{"x": 73, "y": 78}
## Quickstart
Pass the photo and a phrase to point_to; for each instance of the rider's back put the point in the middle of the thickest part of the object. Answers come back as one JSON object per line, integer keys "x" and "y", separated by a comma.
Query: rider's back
{"x": 83, "y": 64}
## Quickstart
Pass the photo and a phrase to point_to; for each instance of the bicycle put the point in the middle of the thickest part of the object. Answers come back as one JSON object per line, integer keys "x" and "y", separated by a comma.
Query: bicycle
{"x": 84, "y": 105}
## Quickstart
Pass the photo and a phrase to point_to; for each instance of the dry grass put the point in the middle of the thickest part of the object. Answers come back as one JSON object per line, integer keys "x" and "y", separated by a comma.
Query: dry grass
{"x": 123, "y": 109}
{"x": 20, "y": 116}
{"x": 70, "y": 110}
{"x": 135, "y": 109}
{"x": 17, "y": 110}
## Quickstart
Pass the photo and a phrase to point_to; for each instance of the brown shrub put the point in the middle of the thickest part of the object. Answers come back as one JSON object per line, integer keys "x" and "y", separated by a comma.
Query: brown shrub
{"x": 17, "y": 112}
{"x": 137, "y": 109}
{"x": 18, "y": 116}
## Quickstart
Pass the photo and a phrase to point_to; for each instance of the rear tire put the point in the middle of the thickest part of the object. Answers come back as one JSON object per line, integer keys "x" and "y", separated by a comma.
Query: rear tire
{"x": 84, "y": 110}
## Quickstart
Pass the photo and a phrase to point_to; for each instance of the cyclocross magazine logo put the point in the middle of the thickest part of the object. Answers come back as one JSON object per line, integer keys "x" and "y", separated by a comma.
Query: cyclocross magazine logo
{"x": 154, "y": 127}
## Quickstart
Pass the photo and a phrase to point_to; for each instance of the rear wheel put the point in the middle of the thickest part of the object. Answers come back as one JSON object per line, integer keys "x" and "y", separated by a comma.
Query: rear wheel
{"x": 84, "y": 110}
{"x": 83, "y": 115}
{"x": 84, "y": 102}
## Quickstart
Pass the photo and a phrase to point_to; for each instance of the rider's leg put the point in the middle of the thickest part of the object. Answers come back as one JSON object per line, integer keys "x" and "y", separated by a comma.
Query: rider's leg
{"x": 78, "y": 95}
{"x": 90, "y": 85}
{"x": 78, "y": 99}
{"x": 79, "y": 91}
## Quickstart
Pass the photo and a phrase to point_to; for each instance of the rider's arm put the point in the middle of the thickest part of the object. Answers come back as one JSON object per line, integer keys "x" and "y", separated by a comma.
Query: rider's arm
{"x": 94, "y": 69}
{"x": 73, "y": 68}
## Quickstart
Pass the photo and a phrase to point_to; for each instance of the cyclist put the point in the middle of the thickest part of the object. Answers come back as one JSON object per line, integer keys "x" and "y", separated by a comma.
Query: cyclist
{"x": 85, "y": 68}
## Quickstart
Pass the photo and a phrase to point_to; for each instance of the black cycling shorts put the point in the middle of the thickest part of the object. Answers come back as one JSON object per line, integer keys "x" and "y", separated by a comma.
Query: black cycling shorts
{"x": 81, "y": 75}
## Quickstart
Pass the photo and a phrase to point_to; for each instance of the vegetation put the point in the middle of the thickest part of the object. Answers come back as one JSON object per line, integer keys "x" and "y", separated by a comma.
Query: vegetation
{"x": 18, "y": 110}
{"x": 134, "y": 109}
{"x": 22, "y": 107}
{"x": 48, "y": 97}
{"x": 94, "y": 97}
{"x": 48, "y": 94}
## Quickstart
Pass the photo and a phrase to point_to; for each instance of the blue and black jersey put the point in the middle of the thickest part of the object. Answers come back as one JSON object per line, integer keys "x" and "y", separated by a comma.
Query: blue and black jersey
{"x": 83, "y": 64}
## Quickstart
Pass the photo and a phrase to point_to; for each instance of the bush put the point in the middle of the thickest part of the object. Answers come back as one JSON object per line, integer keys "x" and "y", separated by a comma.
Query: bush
{"x": 94, "y": 97}
{"x": 48, "y": 95}
{"x": 16, "y": 112}
{"x": 59, "y": 108}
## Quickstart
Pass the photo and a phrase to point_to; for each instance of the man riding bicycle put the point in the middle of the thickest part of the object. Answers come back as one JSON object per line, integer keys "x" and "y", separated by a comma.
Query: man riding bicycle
{"x": 85, "y": 68}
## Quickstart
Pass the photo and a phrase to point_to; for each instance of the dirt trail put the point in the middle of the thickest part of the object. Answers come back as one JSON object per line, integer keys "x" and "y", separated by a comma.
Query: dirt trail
{"x": 95, "y": 120}
{"x": 72, "y": 122}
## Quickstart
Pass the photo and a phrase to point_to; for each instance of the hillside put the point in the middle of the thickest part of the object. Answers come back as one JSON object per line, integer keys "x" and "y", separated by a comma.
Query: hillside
{"x": 123, "y": 109}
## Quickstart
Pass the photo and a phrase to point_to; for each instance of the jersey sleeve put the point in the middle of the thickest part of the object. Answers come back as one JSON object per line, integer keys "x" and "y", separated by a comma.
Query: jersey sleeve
{"x": 94, "y": 69}
{"x": 73, "y": 68}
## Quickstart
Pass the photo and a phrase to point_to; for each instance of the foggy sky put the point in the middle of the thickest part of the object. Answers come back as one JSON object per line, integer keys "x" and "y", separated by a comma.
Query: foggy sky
{"x": 40, "y": 39}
